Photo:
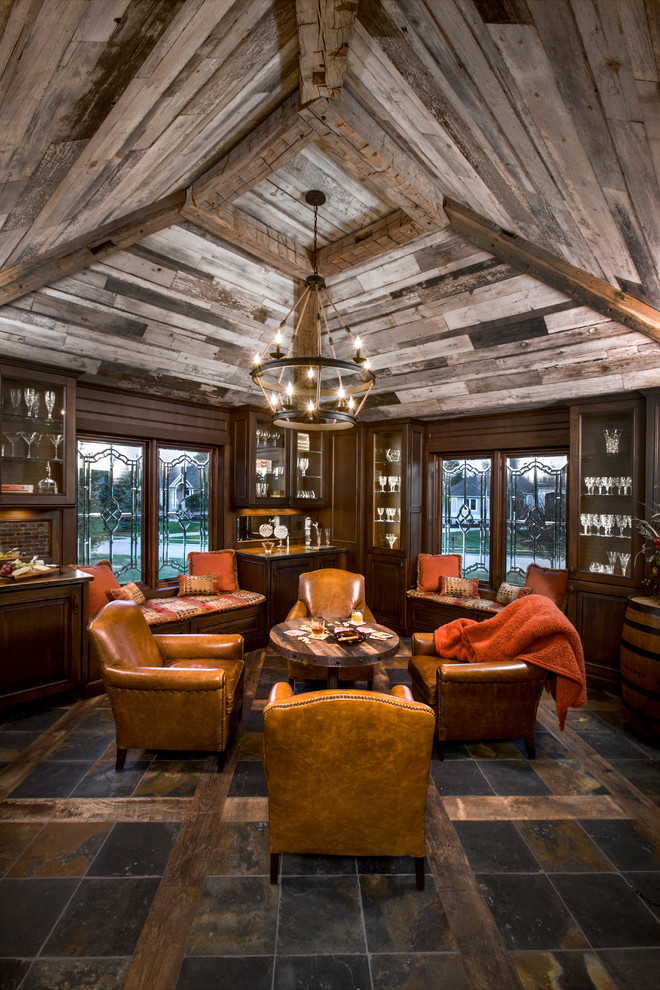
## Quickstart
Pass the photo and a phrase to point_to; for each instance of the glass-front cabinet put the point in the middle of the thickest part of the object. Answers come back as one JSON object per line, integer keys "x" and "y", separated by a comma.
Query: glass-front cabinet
{"x": 387, "y": 490}
{"x": 607, "y": 490}
{"x": 394, "y": 516}
{"x": 308, "y": 466}
{"x": 270, "y": 461}
{"x": 274, "y": 466}
{"x": 36, "y": 413}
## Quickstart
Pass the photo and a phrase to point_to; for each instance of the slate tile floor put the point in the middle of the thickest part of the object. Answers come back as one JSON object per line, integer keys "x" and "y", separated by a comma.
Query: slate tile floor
{"x": 576, "y": 900}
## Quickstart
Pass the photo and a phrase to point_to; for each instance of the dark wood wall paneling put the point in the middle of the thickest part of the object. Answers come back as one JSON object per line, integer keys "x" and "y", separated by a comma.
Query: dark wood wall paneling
{"x": 134, "y": 415}
{"x": 527, "y": 429}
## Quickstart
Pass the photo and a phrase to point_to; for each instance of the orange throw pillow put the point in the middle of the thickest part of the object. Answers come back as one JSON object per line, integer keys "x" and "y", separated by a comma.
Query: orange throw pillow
{"x": 99, "y": 589}
{"x": 221, "y": 564}
{"x": 431, "y": 568}
{"x": 552, "y": 584}
{"x": 128, "y": 593}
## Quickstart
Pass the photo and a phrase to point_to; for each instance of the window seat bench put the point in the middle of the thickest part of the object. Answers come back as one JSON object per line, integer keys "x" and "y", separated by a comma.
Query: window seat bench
{"x": 427, "y": 610}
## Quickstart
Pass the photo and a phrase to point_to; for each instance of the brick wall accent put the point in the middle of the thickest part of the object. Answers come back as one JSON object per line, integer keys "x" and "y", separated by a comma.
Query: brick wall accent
{"x": 29, "y": 535}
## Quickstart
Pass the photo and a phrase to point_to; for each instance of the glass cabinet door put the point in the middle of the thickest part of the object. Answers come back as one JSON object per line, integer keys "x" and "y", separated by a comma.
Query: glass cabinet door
{"x": 308, "y": 466}
{"x": 33, "y": 415}
{"x": 607, "y": 494}
{"x": 388, "y": 499}
{"x": 270, "y": 448}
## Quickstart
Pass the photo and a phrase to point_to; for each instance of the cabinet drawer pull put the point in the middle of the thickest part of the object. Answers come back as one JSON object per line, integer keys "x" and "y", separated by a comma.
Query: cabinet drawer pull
{"x": 76, "y": 604}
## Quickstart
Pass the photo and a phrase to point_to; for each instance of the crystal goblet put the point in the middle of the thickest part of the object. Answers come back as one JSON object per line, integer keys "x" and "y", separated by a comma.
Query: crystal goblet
{"x": 624, "y": 560}
{"x": 391, "y": 540}
{"x": 383, "y": 481}
{"x": 32, "y": 400}
{"x": 49, "y": 399}
{"x": 15, "y": 396}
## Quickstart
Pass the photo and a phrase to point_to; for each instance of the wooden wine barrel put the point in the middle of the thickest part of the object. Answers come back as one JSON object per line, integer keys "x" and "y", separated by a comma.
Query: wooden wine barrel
{"x": 640, "y": 665}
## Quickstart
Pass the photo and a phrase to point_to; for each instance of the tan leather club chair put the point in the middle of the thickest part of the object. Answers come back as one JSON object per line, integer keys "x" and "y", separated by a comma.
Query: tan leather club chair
{"x": 493, "y": 700}
{"x": 332, "y": 593}
{"x": 347, "y": 773}
{"x": 168, "y": 691}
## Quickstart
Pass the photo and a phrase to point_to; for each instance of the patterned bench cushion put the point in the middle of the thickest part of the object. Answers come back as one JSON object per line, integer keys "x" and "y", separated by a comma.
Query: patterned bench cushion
{"x": 158, "y": 611}
{"x": 475, "y": 604}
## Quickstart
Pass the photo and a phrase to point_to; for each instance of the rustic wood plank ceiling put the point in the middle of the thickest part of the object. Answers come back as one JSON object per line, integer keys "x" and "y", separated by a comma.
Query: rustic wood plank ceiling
{"x": 491, "y": 167}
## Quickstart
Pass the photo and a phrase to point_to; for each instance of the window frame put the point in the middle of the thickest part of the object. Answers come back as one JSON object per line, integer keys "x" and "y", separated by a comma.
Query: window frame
{"x": 150, "y": 495}
{"x": 498, "y": 458}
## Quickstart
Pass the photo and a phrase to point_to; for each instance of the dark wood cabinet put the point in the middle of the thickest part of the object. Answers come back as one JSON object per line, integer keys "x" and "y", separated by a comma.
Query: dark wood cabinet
{"x": 394, "y": 518}
{"x": 605, "y": 496}
{"x": 43, "y": 636}
{"x": 276, "y": 574}
{"x": 276, "y": 467}
{"x": 37, "y": 419}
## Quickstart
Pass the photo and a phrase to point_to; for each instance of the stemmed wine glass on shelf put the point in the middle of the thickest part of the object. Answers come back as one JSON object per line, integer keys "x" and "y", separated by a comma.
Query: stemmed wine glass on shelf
{"x": 32, "y": 401}
{"x": 56, "y": 440}
{"x": 49, "y": 399}
{"x": 29, "y": 440}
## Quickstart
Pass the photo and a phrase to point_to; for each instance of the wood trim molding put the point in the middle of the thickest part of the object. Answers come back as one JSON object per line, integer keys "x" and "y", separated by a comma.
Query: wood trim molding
{"x": 584, "y": 288}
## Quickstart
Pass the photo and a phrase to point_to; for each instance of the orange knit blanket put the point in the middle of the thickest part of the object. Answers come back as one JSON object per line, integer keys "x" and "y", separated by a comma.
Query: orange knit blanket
{"x": 531, "y": 629}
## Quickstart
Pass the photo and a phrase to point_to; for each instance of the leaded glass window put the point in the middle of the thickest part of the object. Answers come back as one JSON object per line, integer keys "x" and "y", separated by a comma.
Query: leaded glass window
{"x": 110, "y": 506}
{"x": 535, "y": 513}
{"x": 183, "y": 508}
{"x": 466, "y": 493}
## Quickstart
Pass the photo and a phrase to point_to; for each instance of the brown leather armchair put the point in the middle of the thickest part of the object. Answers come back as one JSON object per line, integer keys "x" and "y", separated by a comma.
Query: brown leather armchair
{"x": 332, "y": 593}
{"x": 497, "y": 699}
{"x": 167, "y": 691}
{"x": 347, "y": 773}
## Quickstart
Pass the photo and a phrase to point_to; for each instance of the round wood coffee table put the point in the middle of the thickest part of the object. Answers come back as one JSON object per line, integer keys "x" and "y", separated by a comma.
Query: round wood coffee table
{"x": 330, "y": 654}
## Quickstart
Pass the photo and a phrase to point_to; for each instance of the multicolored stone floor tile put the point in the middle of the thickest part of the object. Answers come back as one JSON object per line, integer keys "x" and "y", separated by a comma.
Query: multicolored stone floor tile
{"x": 573, "y": 889}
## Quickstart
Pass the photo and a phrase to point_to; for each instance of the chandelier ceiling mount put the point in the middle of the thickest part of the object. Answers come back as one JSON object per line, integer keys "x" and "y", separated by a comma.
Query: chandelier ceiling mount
{"x": 311, "y": 383}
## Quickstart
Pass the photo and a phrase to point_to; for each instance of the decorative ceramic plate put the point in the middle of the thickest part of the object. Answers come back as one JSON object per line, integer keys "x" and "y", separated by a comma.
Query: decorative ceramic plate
{"x": 281, "y": 532}
{"x": 265, "y": 530}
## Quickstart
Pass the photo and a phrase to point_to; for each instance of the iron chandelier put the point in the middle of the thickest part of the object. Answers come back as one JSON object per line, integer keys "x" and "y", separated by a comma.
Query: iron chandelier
{"x": 314, "y": 390}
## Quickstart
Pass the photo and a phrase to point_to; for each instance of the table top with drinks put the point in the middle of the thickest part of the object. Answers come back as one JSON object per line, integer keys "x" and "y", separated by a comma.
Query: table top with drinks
{"x": 329, "y": 642}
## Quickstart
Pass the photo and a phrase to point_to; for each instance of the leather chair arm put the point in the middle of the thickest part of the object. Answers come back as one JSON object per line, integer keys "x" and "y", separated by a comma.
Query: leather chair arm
{"x": 200, "y": 646}
{"x": 402, "y": 691}
{"x": 500, "y": 671}
{"x": 164, "y": 678}
{"x": 424, "y": 644}
{"x": 280, "y": 692}
{"x": 299, "y": 611}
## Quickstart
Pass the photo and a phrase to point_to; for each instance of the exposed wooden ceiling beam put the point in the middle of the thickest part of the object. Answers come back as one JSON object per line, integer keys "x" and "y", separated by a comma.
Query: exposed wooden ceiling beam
{"x": 584, "y": 288}
{"x": 379, "y": 159}
{"x": 83, "y": 251}
{"x": 368, "y": 243}
{"x": 324, "y": 32}
{"x": 251, "y": 235}
{"x": 265, "y": 149}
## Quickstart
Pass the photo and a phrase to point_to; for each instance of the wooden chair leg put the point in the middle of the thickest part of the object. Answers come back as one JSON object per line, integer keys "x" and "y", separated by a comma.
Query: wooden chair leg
{"x": 530, "y": 742}
{"x": 419, "y": 872}
{"x": 221, "y": 761}
{"x": 439, "y": 748}
{"x": 370, "y": 685}
{"x": 121, "y": 759}
{"x": 292, "y": 682}
{"x": 274, "y": 867}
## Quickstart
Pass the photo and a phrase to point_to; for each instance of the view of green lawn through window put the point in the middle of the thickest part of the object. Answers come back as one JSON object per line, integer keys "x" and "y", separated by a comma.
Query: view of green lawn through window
{"x": 183, "y": 508}
{"x": 110, "y": 506}
{"x": 535, "y": 513}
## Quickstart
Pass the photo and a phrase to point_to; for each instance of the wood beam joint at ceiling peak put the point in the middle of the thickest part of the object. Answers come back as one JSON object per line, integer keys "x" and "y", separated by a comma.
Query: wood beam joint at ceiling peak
{"x": 586, "y": 289}
{"x": 324, "y": 34}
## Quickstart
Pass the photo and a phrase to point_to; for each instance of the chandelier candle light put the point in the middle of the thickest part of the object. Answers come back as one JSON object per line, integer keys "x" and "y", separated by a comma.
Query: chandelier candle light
{"x": 314, "y": 390}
